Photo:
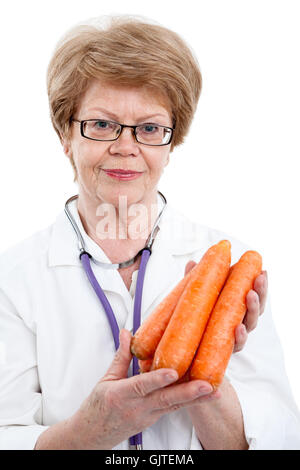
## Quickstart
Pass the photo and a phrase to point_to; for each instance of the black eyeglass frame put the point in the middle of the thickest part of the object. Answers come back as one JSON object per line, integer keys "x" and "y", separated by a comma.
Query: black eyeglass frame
{"x": 122, "y": 127}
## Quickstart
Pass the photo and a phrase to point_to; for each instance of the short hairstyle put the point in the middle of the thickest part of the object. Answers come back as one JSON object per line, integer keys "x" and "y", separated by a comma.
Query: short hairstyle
{"x": 126, "y": 51}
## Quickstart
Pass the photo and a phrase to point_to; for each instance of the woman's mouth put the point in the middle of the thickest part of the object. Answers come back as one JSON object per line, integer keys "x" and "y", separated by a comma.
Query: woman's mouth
{"x": 123, "y": 174}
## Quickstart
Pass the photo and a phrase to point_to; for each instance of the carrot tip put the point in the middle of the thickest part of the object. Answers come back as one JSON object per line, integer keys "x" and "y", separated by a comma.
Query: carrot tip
{"x": 225, "y": 243}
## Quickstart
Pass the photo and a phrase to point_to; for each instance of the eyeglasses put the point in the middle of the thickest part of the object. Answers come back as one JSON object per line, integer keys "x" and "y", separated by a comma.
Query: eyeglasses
{"x": 146, "y": 134}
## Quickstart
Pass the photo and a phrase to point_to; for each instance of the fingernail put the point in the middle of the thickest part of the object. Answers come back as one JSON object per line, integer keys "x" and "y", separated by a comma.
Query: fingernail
{"x": 205, "y": 389}
{"x": 171, "y": 376}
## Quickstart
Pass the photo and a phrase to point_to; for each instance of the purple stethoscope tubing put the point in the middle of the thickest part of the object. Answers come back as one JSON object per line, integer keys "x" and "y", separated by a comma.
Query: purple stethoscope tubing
{"x": 135, "y": 440}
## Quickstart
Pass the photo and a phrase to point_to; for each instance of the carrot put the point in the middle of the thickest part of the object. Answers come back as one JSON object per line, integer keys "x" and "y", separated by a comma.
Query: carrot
{"x": 186, "y": 326}
{"x": 149, "y": 334}
{"x": 218, "y": 340}
{"x": 145, "y": 365}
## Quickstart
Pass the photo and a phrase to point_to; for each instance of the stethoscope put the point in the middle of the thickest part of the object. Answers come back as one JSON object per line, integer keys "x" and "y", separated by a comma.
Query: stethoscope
{"x": 85, "y": 257}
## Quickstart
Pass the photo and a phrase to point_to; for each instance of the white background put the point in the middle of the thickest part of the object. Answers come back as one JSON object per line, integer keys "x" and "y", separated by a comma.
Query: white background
{"x": 239, "y": 168}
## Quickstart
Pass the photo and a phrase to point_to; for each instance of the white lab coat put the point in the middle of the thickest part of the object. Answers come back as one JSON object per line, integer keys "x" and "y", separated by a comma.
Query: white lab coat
{"x": 56, "y": 342}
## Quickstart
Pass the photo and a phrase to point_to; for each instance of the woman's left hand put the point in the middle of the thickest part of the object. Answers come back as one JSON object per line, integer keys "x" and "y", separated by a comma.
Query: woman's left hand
{"x": 255, "y": 301}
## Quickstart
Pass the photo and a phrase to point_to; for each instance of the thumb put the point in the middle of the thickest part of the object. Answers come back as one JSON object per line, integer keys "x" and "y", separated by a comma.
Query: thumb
{"x": 189, "y": 266}
{"x": 120, "y": 364}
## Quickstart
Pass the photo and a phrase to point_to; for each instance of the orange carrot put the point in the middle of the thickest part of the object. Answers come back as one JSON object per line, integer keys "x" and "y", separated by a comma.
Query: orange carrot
{"x": 186, "y": 326}
{"x": 149, "y": 334}
{"x": 218, "y": 340}
{"x": 145, "y": 365}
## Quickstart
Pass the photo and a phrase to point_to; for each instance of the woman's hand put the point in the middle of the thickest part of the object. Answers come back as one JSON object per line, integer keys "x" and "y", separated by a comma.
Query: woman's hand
{"x": 119, "y": 407}
{"x": 255, "y": 301}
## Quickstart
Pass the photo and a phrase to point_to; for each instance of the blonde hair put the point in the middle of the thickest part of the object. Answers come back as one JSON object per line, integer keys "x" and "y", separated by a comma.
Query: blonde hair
{"x": 123, "y": 50}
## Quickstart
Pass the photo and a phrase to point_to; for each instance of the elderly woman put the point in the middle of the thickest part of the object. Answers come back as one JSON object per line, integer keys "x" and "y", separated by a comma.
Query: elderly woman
{"x": 121, "y": 98}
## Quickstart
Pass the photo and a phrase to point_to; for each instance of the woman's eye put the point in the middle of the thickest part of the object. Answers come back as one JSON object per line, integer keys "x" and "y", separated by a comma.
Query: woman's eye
{"x": 149, "y": 128}
{"x": 101, "y": 124}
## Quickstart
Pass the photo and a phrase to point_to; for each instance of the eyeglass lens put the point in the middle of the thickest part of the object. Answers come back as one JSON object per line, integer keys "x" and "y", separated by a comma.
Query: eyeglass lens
{"x": 147, "y": 133}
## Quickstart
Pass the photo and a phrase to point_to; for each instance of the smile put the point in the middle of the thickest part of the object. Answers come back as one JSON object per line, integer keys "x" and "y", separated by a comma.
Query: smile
{"x": 123, "y": 174}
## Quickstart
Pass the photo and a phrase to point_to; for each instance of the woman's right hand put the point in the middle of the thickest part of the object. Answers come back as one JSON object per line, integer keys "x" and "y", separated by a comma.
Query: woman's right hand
{"x": 119, "y": 407}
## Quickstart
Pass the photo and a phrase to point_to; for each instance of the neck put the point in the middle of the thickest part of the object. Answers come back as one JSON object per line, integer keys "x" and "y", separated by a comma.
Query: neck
{"x": 120, "y": 229}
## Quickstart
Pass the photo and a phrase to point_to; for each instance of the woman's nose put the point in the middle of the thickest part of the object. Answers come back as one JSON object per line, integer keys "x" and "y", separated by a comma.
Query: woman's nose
{"x": 126, "y": 142}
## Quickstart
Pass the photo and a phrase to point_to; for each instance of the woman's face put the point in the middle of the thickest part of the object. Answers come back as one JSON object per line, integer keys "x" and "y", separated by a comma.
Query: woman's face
{"x": 92, "y": 159}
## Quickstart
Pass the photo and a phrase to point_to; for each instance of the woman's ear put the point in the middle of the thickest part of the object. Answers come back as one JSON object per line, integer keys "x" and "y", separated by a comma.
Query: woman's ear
{"x": 66, "y": 146}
